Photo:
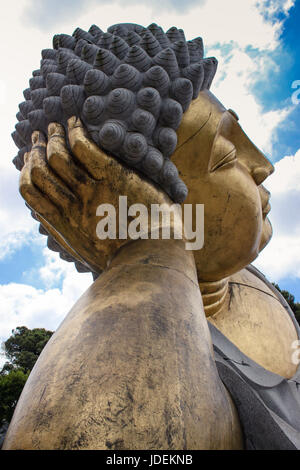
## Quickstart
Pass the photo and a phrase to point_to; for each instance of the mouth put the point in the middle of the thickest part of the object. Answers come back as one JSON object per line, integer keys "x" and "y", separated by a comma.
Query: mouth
{"x": 266, "y": 209}
{"x": 265, "y": 204}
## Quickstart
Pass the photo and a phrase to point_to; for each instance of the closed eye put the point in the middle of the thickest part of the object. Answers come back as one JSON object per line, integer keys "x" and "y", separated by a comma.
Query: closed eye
{"x": 223, "y": 153}
{"x": 229, "y": 158}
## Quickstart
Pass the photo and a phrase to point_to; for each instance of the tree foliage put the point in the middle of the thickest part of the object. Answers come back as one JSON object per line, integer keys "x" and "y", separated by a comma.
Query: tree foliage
{"x": 24, "y": 346}
{"x": 290, "y": 298}
{"x": 11, "y": 386}
{"x": 22, "y": 350}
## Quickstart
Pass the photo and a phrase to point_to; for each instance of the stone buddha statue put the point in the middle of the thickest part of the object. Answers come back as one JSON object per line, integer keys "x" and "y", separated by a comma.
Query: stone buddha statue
{"x": 169, "y": 348}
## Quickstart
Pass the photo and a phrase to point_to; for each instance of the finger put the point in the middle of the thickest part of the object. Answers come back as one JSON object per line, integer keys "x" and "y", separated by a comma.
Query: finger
{"x": 26, "y": 157}
{"x": 60, "y": 160}
{"x": 44, "y": 178}
{"x": 38, "y": 141}
{"x": 35, "y": 199}
{"x": 87, "y": 152}
{"x": 59, "y": 238}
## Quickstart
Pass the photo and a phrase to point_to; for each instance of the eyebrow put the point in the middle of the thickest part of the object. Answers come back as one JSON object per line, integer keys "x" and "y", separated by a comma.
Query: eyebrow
{"x": 195, "y": 133}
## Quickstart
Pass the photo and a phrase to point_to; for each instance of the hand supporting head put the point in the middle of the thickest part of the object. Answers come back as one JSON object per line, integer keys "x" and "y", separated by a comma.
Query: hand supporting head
{"x": 131, "y": 102}
{"x": 65, "y": 189}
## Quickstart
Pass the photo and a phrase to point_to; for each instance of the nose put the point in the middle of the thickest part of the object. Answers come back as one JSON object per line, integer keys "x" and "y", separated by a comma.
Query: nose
{"x": 259, "y": 166}
{"x": 248, "y": 154}
{"x": 260, "y": 173}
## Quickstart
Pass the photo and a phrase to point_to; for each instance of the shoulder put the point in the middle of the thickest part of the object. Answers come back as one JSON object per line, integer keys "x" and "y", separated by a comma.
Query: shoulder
{"x": 258, "y": 320}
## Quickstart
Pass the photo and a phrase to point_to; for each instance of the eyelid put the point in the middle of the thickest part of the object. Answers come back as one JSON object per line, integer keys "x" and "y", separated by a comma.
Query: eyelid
{"x": 230, "y": 157}
{"x": 223, "y": 152}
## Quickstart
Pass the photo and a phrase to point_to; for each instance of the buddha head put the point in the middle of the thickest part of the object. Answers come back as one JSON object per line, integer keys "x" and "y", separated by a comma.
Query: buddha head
{"x": 227, "y": 178}
{"x": 143, "y": 97}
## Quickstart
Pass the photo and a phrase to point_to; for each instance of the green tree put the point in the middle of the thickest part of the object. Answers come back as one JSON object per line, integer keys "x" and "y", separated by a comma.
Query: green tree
{"x": 22, "y": 350}
{"x": 290, "y": 298}
{"x": 24, "y": 346}
{"x": 11, "y": 386}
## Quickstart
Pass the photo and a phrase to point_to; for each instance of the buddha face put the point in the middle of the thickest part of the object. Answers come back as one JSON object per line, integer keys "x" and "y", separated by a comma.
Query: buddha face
{"x": 224, "y": 171}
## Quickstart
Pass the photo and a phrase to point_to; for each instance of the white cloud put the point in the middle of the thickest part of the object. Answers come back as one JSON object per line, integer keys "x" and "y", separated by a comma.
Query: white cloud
{"x": 20, "y": 56}
{"x": 54, "y": 269}
{"x": 17, "y": 227}
{"x": 271, "y": 7}
{"x": 2, "y": 92}
{"x": 287, "y": 175}
{"x": 238, "y": 73}
{"x": 52, "y": 12}
{"x": 281, "y": 258}
{"x": 248, "y": 21}
{"x": 22, "y": 304}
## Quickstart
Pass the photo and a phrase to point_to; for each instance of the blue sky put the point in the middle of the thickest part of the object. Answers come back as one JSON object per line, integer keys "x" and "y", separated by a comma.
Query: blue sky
{"x": 278, "y": 90}
{"x": 257, "y": 45}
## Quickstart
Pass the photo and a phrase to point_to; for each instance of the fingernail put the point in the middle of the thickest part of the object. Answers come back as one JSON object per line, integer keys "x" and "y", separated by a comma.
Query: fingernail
{"x": 74, "y": 122}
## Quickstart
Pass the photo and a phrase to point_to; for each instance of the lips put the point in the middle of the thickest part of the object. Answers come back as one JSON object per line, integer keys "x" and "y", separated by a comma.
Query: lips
{"x": 265, "y": 197}
{"x": 266, "y": 210}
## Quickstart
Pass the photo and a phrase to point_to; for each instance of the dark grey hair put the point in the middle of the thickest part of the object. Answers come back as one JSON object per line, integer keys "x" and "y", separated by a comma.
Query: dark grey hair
{"x": 130, "y": 87}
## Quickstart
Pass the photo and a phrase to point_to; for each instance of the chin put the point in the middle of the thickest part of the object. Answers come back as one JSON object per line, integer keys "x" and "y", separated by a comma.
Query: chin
{"x": 266, "y": 234}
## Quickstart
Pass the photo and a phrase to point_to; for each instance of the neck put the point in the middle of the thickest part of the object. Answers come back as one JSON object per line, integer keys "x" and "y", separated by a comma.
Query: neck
{"x": 213, "y": 295}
